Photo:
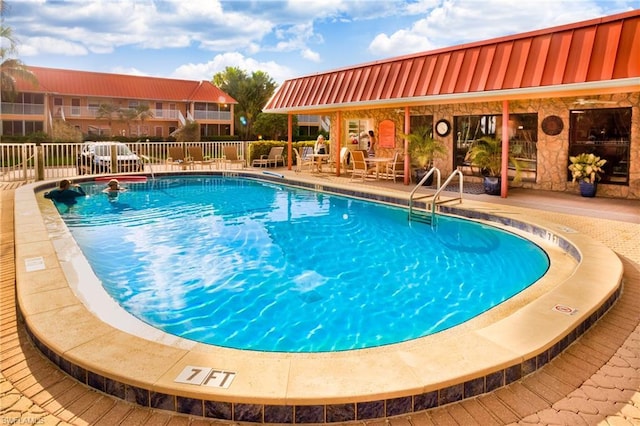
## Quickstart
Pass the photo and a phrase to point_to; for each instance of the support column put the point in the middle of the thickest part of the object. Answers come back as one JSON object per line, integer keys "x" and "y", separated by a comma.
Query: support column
{"x": 504, "y": 172}
{"x": 407, "y": 159}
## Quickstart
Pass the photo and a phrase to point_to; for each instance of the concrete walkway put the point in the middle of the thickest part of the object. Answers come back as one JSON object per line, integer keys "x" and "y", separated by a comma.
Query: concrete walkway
{"x": 596, "y": 381}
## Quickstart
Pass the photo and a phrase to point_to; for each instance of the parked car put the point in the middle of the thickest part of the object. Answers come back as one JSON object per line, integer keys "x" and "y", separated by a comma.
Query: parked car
{"x": 95, "y": 157}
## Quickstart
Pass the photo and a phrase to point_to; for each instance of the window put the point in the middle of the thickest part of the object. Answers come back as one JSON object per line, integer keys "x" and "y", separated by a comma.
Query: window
{"x": 359, "y": 128}
{"x": 605, "y": 133}
{"x": 75, "y": 106}
{"x": 158, "y": 112}
{"x": 416, "y": 121}
{"x": 523, "y": 139}
{"x": 21, "y": 128}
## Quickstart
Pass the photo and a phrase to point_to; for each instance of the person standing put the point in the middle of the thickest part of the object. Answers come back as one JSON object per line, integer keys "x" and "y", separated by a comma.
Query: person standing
{"x": 371, "y": 149}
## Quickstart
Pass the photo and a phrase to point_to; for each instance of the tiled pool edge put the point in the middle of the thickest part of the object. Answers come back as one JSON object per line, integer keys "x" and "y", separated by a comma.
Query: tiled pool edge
{"x": 332, "y": 413}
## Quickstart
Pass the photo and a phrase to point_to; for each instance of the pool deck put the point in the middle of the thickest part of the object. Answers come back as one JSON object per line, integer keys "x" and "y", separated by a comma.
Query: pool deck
{"x": 597, "y": 379}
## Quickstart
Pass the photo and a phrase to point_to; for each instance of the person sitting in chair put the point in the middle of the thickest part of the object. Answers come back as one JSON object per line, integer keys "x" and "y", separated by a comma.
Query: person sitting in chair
{"x": 320, "y": 145}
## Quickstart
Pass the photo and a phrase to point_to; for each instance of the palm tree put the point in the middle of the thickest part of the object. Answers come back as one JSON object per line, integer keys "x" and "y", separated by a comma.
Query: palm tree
{"x": 107, "y": 112}
{"x": 11, "y": 69}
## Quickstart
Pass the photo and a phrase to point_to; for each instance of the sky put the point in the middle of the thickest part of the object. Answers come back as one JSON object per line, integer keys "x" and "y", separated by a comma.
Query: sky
{"x": 195, "y": 39}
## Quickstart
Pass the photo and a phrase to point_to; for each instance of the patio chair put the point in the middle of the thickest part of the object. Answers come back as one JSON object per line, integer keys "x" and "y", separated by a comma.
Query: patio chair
{"x": 196, "y": 156}
{"x": 395, "y": 168}
{"x": 231, "y": 156}
{"x": 359, "y": 165}
{"x": 302, "y": 162}
{"x": 274, "y": 157}
{"x": 177, "y": 158}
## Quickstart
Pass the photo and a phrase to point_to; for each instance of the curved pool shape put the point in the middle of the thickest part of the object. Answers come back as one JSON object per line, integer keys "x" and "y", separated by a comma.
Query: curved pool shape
{"x": 246, "y": 264}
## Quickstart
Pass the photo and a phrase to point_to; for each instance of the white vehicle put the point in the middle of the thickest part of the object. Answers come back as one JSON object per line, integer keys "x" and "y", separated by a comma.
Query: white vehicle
{"x": 95, "y": 157}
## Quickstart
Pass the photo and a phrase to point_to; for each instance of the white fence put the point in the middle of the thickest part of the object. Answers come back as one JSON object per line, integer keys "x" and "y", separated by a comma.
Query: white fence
{"x": 28, "y": 162}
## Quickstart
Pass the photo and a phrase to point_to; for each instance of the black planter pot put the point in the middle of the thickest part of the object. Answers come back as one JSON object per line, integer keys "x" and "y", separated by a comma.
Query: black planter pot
{"x": 420, "y": 174}
{"x": 587, "y": 189}
{"x": 492, "y": 185}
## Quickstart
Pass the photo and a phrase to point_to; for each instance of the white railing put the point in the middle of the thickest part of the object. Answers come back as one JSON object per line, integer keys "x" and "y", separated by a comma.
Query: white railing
{"x": 29, "y": 162}
{"x": 212, "y": 115}
{"x": 8, "y": 108}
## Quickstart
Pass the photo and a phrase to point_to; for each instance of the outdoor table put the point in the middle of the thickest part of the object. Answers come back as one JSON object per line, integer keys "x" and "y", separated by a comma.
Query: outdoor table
{"x": 377, "y": 161}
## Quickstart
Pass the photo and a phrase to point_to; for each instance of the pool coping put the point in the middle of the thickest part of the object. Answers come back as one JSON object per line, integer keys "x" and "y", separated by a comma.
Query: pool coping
{"x": 278, "y": 388}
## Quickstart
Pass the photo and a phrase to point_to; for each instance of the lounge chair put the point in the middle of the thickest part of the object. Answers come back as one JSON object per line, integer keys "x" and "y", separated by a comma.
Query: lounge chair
{"x": 177, "y": 158}
{"x": 395, "y": 168}
{"x": 302, "y": 162}
{"x": 231, "y": 156}
{"x": 196, "y": 156}
{"x": 274, "y": 157}
{"x": 359, "y": 165}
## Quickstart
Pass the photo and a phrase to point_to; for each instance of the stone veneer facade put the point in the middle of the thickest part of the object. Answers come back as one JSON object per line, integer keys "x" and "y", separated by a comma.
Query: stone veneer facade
{"x": 552, "y": 154}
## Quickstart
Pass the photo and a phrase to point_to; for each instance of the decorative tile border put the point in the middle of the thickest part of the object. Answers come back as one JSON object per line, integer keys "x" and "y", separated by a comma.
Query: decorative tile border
{"x": 332, "y": 413}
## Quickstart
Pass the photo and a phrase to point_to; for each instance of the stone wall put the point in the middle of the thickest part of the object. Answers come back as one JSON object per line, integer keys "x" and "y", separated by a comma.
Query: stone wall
{"x": 552, "y": 151}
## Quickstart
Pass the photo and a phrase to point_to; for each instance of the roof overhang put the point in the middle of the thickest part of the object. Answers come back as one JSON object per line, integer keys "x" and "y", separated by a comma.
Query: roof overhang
{"x": 556, "y": 91}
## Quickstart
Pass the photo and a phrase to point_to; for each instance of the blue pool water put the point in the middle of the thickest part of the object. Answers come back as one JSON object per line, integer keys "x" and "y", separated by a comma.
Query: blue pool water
{"x": 253, "y": 265}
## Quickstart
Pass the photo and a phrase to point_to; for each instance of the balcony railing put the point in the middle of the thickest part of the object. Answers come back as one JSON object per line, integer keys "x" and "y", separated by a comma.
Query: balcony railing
{"x": 212, "y": 115}
{"x": 21, "y": 109}
{"x": 91, "y": 112}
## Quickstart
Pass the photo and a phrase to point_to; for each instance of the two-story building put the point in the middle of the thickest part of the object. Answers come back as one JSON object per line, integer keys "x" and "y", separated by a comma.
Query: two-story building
{"x": 96, "y": 103}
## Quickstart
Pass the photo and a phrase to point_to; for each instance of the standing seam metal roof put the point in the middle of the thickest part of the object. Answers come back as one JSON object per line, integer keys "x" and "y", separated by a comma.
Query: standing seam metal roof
{"x": 596, "y": 50}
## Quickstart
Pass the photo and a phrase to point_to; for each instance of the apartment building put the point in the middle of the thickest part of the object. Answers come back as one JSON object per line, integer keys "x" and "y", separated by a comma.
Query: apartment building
{"x": 93, "y": 103}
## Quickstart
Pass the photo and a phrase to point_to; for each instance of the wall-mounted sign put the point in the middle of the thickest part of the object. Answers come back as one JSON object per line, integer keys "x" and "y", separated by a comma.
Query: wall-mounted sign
{"x": 387, "y": 134}
{"x": 552, "y": 125}
{"x": 205, "y": 376}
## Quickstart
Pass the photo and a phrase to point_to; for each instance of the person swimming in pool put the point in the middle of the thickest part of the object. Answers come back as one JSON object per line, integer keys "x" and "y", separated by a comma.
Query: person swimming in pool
{"x": 66, "y": 192}
{"x": 113, "y": 188}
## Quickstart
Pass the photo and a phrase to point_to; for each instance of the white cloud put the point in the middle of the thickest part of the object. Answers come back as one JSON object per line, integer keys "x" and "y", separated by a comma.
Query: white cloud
{"x": 450, "y": 22}
{"x": 310, "y": 55}
{"x": 206, "y": 71}
{"x": 33, "y": 46}
{"x": 399, "y": 43}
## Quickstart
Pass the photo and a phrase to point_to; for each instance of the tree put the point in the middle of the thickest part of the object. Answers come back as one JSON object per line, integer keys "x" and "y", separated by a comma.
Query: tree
{"x": 274, "y": 126}
{"x": 190, "y": 132}
{"x": 11, "y": 68}
{"x": 252, "y": 93}
{"x": 108, "y": 112}
{"x": 139, "y": 113}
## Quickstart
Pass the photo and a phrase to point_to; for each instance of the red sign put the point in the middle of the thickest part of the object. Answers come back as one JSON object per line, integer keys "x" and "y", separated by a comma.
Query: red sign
{"x": 387, "y": 134}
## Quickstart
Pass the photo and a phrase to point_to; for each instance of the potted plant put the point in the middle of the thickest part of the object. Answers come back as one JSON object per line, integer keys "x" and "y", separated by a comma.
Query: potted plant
{"x": 586, "y": 168}
{"x": 486, "y": 154}
{"x": 423, "y": 149}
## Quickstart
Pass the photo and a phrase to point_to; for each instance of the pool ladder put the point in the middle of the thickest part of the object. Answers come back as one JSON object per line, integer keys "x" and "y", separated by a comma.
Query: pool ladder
{"x": 428, "y": 214}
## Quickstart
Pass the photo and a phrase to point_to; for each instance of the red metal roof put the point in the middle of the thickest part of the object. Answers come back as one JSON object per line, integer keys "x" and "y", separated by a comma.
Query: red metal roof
{"x": 599, "y": 50}
{"x": 103, "y": 85}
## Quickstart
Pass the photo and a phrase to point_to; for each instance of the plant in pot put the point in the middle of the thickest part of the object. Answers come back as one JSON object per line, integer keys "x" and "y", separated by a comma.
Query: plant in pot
{"x": 423, "y": 149}
{"x": 586, "y": 169}
{"x": 486, "y": 154}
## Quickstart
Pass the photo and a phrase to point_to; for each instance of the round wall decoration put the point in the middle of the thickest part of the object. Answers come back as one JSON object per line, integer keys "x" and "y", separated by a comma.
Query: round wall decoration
{"x": 443, "y": 127}
{"x": 552, "y": 125}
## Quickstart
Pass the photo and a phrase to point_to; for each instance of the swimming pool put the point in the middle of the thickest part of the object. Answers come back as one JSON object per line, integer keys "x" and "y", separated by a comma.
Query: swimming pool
{"x": 254, "y": 265}
{"x": 78, "y": 328}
